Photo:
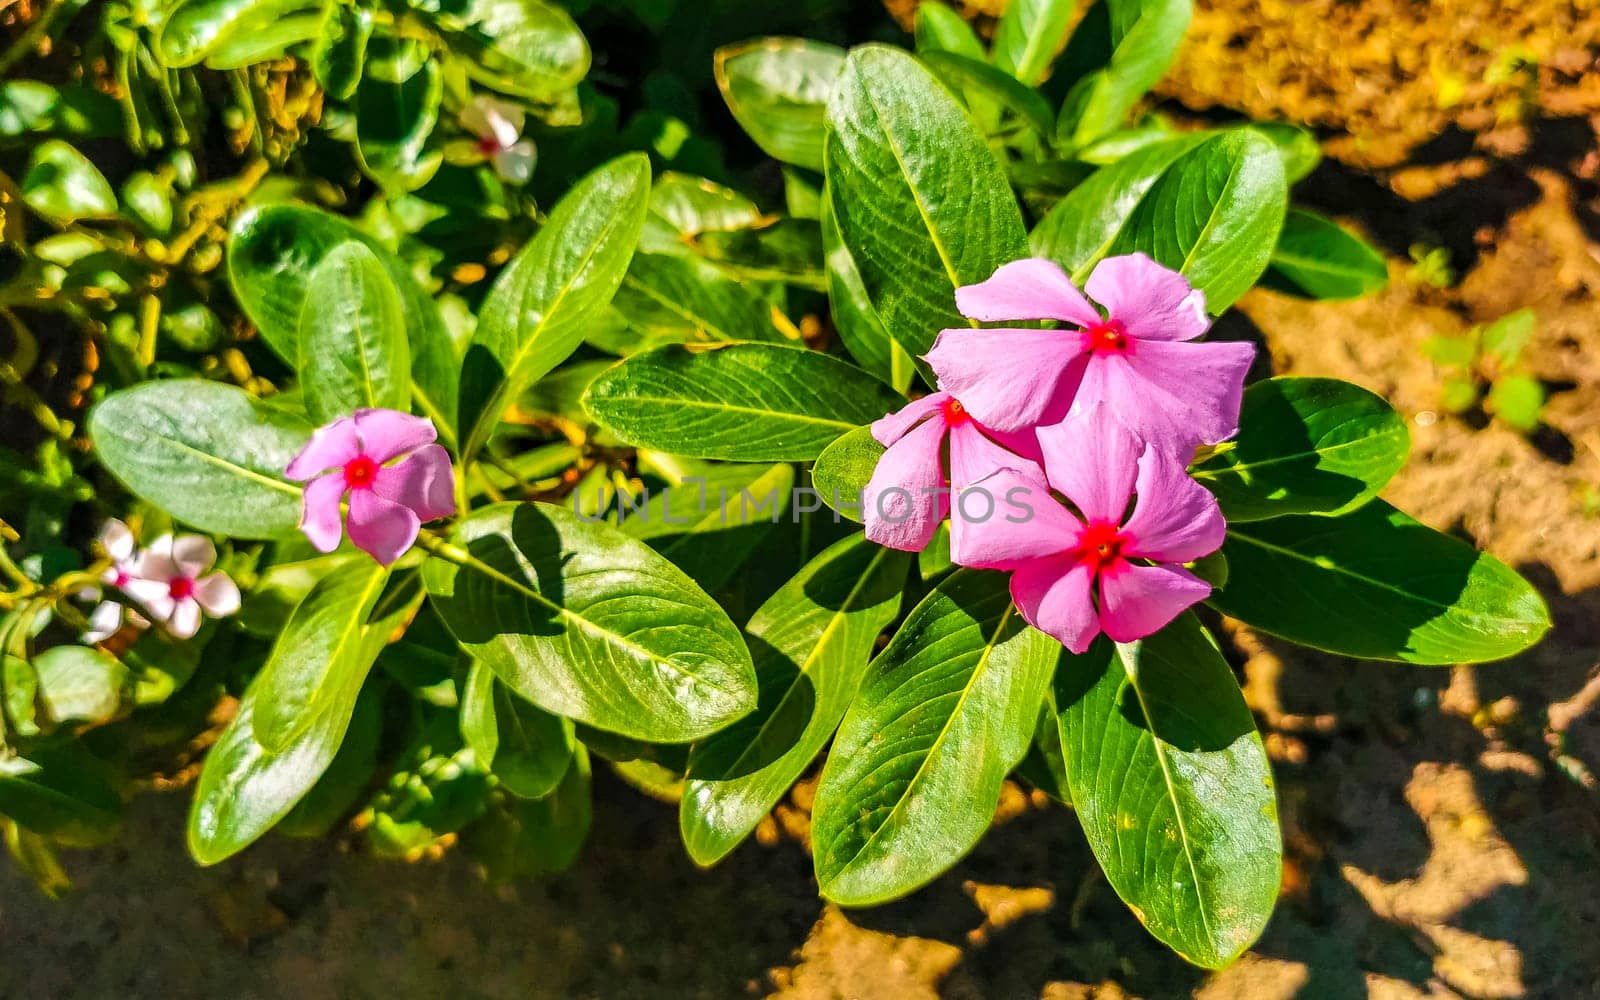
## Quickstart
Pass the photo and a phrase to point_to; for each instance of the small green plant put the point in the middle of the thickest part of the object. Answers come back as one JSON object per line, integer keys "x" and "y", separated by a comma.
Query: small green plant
{"x": 1430, "y": 266}
{"x": 1482, "y": 370}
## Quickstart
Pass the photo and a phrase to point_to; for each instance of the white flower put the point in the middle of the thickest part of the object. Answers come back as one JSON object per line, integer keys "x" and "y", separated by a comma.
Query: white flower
{"x": 171, "y": 581}
{"x": 498, "y": 125}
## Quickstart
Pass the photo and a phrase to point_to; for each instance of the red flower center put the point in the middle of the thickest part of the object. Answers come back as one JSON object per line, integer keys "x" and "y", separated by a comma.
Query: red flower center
{"x": 488, "y": 145}
{"x": 955, "y": 413}
{"x": 122, "y": 578}
{"x": 1108, "y": 337}
{"x": 360, "y": 472}
{"x": 180, "y": 588}
{"x": 1100, "y": 545}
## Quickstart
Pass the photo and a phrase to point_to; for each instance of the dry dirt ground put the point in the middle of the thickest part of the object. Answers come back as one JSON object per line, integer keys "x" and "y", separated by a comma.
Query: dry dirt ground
{"x": 1443, "y": 826}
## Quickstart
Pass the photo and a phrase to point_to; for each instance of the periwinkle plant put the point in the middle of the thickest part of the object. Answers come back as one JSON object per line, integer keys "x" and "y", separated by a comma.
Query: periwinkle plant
{"x": 450, "y": 513}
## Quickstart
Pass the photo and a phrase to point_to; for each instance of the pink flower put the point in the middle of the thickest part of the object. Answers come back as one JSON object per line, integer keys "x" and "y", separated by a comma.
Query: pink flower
{"x": 1137, "y": 359}
{"x": 388, "y": 503}
{"x": 106, "y": 619}
{"x": 1109, "y": 570}
{"x": 497, "y": 128}
{"x": 906, "y": 497}
{"x": 171, "y": 581}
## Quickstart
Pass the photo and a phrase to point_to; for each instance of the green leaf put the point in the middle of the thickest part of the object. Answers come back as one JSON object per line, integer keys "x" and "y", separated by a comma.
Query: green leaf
{"x": 1170, "y": 780}
{"x": 244, "y": 789}
{"x": 1378, "y": 585}
{"x": 919, "y": 198}
{"x": 264, "y": 41}
{"x": 196, "y": 28}
{"x": 322, "y": 644}
{"x": 812, "y": 641}
{"x": 938, "y": 28}
{"x": 844, "y": 468}
{"x": 1030, "y": 34}
{"x": 858, "y": 324}
{"x": 62, "y": 791}
{"x": 1316, "y": 258}
{"x": 397, "y": 106}
{"x": 742, "y": 402}
{"x": 709, "y": 525}
{"x": 204, "y": 452}
{"x": 673, "y": 299}
{"x": 63, "y": 186}
{"x": 1209, "y": 205}
{"x": 980, "y": 82}
{"x": 542, "y": 304}
{"x": 340, "y": 53}
{"x": 1506, "y": 337}
{"x": 537, "y": 836}
{"x": 943, "y": 714}
{"x": 778, "y": 89}
{"x": 1519, "y": 401}
{"x": 79, "y": 683}
{"x": 1298, "y": 147}
{"x": 586, "y": 622}
{"x": 524, "y": 746}
{"x": 272, "y": 251}
{"x": 526, "y": 48}
{"x": 1306, "y": 446}
{"x": 1143, "y": 41}
{"x": 682, "y": 207}
{"x": 353, "y": 350}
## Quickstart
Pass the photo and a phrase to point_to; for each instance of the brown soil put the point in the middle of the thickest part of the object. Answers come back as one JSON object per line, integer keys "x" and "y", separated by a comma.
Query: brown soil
{"x": 1443, "y": 826}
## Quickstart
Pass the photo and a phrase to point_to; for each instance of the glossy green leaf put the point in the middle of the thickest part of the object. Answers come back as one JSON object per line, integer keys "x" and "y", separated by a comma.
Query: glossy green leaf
{"x": 844, "y": 468}
{"x": 854, "y": 317}
{"x": 522, "y": 47}
{"x": 673, "y": 299}
{"x": 588, "y": 623}
{"x": 80, "y": 683}
{"x": 919, "y": 198}
{"x": 811, "y": 641}
{"x": 942, "y": 715}
{"x": 322, "y": 644}
{"x": 63, "y": 791}
{"x": 1170, "y": 780}
{"x": 264, "y": 41}
{"x": 353, "y": 350}
{"x": 1030, "y": 34}
{"x": 1317, "y": 258}
{"x": 196, "y": 28}
{"x": 978, "y": 80}
{"x": 272, "y": 251}
{"x": 345, "y": 781}
{"x": 397, "y": 106}
{"x": 682, "y": 207}
{"x": 534, "y": 837}
{"x": 64, "y": 186}
{"x": 742, "y": 402}
{"x": 1142, "y": 38}
{"x": 710, "y": 523}
{"x": 778, "y": 89}
{"x": 1298, "y": 147}
{"x": 940, "y": 29}
{"x": 204, "y": 452}
{"x": 1209, "y": 205}
{"x": 340, "y": 54}
{"x": 521, "y": 744}
{"x": 244, "y": 789}
{"x": 542, "y": 303}
{"x": 1378, "y": 585}
{"x": 1306, "y": 446}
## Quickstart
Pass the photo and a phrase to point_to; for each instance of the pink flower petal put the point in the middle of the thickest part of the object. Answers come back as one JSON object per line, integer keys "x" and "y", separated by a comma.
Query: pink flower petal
{"x": 381, "y": 528}
{"x": 1174, "y": 395}
{"x": 891, "y": 427}
{"x": 154, "y": 595}
{"x": 217, "y": 594}
{"x": 973, "y": 455}
{"x": 1175, "y": 520}
{"x": 1027, "y": 289}
{"x": 387, "y": 434}
{"x": 319, "y": 511}
{"x": 117, "y": 540}
{"x": 1010, "y": 379}
{"x": 1136, "y": 601}
{"x": 515, "y": 164}
{"x": 422, "y": 481}
{"x": 184, "y": 621}
{"x": 329, "y": 447}
{"x": 1053, "y": 596}
{"x": 1009, "y": 519}
{"x": 1151, "y": 301}
{"x": 105, "y": 621}
{"x": 156, "y": 563}
{"x": 194, "y": 554}
{"x": 1093, "y": 460}
{"x": 905, "y": 499}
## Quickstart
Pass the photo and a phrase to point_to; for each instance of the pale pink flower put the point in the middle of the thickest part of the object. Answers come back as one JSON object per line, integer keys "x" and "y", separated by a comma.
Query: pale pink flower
{"x": 388, "y": 503}
{"x": 497, "y": 126}
{"x": 106, "y": 619}
{"x": 1138, "y": 359}
{"x": 1105, "y": 568}
{"x": 171, "y": 580}
{"x": 908, "y": 495}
